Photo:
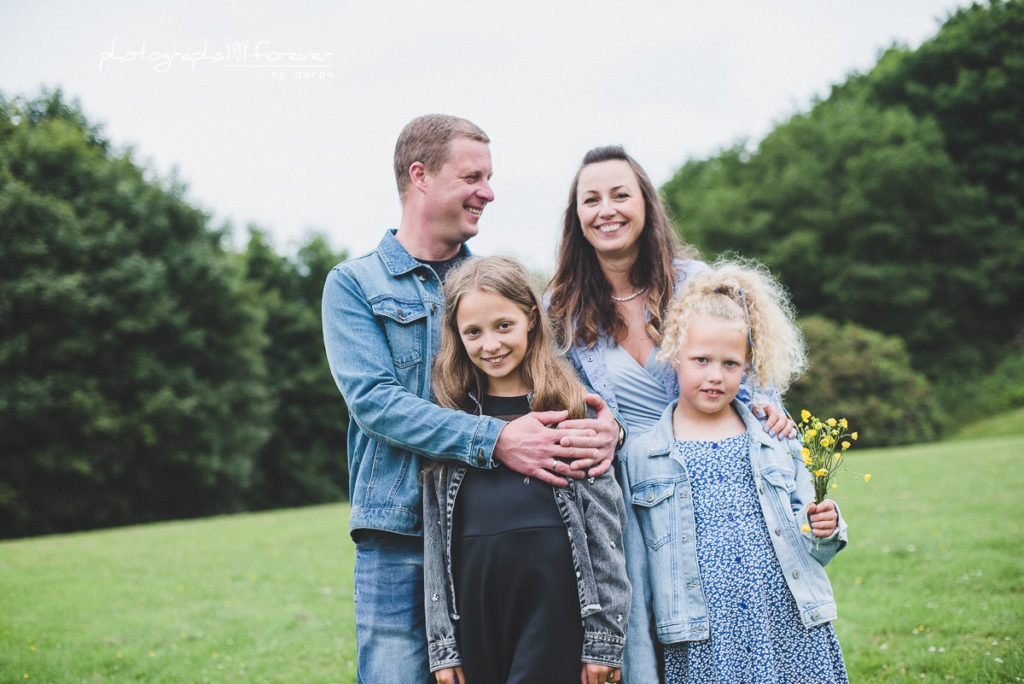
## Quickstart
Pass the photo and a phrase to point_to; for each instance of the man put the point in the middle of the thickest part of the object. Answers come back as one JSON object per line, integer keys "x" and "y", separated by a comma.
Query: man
{"x": 382, "y": 320}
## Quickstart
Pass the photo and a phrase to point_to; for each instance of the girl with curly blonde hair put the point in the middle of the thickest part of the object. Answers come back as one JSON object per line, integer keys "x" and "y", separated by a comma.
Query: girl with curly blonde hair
{"x": 725, "y": 548}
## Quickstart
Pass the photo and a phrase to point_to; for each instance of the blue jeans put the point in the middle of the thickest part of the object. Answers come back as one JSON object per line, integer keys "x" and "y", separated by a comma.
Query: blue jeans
{"x": 391, "y": 636}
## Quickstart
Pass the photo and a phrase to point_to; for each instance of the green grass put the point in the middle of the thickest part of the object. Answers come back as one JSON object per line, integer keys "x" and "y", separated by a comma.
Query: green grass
{"x": 246, "y": 598}
{"x": 1003, "y": 425}
{"x": 931, "y": 586}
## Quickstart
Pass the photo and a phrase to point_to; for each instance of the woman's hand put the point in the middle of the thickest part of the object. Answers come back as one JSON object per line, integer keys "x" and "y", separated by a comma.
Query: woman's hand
{"x": 599, "y": 674}
{"x": 823, "y": 518}
{"x": 776, "y": 422}
{"x": 450, "y": 675}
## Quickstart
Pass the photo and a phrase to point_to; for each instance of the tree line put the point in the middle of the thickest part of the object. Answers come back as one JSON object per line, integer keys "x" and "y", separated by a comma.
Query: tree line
{"x": 148, "y": 372}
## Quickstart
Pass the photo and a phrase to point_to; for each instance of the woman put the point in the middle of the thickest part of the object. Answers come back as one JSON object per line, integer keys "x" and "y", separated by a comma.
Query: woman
{"x": 619, "y": 266}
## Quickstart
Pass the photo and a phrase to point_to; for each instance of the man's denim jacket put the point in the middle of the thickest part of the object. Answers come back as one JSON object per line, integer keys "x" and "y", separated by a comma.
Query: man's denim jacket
{"x": 661, "y": 550}
{"x": 382, "y": 324}
{"x": 594, "y": 514}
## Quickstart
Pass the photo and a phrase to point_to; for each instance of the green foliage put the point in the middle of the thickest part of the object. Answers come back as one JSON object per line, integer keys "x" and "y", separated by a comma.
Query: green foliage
{"x": 867, "y": 378}
{"x": 304, "y": 459}
{"x": 131, "y": 378}
{"x": 895, "y": 203}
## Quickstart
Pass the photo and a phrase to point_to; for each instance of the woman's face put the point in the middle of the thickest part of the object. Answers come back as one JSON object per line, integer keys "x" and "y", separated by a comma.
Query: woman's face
{"x": 610, "y": 207}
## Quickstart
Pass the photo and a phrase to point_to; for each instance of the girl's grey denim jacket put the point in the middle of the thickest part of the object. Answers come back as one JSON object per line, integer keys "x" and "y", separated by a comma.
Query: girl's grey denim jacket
{"x": 594, "y": 516}
{"x": 662, "y": 550}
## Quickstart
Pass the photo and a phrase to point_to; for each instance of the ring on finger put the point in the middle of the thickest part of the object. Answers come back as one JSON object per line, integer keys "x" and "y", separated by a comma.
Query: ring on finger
{"x": 554, "y": 464}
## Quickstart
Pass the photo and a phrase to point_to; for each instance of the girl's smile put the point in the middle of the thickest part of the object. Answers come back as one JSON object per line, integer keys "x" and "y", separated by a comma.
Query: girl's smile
{"x": 495, "y": 333}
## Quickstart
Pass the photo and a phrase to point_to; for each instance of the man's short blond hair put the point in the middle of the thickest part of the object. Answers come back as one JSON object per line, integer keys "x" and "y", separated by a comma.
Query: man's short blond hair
{"x": 427, "y": 139}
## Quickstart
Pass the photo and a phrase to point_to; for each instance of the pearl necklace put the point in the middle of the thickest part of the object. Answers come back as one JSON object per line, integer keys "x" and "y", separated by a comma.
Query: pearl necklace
{"x": 628, "y": 297}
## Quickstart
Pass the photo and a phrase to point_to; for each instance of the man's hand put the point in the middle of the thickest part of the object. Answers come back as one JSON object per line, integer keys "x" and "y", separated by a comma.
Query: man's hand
{"x": 597, "y": 446}
{"x": 528, "y": 446}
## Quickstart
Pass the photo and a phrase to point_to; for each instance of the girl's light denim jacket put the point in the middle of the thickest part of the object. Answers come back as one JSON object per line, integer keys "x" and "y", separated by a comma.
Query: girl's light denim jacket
{"x": 660, "y": 538}
{"x": 382, "y": 325}
{"x": 594, "y": 514}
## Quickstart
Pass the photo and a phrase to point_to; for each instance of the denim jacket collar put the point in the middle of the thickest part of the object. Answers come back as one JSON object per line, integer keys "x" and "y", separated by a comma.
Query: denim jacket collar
{"x": 397, "y": 259}
{"x": 662, "y": 437}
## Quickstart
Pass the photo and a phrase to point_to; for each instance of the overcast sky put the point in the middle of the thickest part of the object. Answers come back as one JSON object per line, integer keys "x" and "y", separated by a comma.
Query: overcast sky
{"x": 285, "y": 114}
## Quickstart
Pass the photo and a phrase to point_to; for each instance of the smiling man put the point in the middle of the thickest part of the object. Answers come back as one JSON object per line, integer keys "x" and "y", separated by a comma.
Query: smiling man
{"x": 382, "y": 319}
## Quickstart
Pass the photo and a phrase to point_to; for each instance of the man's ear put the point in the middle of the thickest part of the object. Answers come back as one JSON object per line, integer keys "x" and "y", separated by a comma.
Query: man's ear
{"x": 417, "y": 175}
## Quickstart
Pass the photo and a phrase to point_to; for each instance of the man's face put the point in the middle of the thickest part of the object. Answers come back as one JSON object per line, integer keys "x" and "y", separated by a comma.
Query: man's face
{"x": 458, "y": 192}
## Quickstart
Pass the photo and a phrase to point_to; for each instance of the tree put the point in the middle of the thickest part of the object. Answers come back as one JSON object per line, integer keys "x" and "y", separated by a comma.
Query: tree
{"x": 130, "y": 368}
{"x": 304, "y": 460}
{"x": 895, "y": 202}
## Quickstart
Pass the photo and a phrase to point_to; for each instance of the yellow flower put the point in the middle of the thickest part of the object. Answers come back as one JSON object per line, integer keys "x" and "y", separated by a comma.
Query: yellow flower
{"x": 805, "y": 452}
{"x": 867, "y": 478}
{"x": 820, "y": 473}
{"x": 810, "y": 433}
{"x": 804, "y": 415}
{"x": 835, "y": 485}
{"x": 837, "y": 456}
{"x": 831, "y": 422}
{"x": 843, "y": 424}
{"x": 846, "y": 445}
{"x": 854, "y": 436}
{"x": 805, "y": 528}
{"x": 824, "y": 441}
{"x": 808, "y": 460}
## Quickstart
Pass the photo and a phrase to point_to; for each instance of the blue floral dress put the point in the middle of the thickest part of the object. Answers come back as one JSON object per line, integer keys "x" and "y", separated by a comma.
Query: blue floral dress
{"x": 756, "y": 631}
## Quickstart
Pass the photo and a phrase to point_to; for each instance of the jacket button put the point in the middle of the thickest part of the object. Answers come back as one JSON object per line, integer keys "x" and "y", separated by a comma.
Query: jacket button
{"x": 618, "y": 618}
{"x": 590, "y": 358}
{"x": 435, "y": 597}
{"x": 612, "y": 545}
{"x": 778, "y": 531}
{"x": 816, "y": 616}
{"x": 650, "y": 497}
{"x": 578, "y": 574}
{"x": 761, "y": 489}
{"x": 796, "y": 574}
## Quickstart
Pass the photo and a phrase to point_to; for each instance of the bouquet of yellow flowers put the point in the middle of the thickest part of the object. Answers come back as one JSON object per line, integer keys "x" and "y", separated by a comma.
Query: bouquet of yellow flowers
{"x": 825, "y": 444}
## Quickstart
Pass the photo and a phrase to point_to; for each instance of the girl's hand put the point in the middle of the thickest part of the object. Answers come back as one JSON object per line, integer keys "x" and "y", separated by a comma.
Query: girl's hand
{"x": 599, "y": 674}
{"x": 823, "y": 518}
{"x": 776, "y": 422}
{"x": 450, "y": 675}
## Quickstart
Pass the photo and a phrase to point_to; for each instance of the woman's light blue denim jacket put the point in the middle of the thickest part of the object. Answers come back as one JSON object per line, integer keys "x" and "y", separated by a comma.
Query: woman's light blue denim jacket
{"x": 661, "y": 546}
{"x": 594, "y": 515}
{"x": 382, "y": 325}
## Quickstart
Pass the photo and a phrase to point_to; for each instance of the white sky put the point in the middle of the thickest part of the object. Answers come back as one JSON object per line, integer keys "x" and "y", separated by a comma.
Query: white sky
{"x": 198, "y": 87}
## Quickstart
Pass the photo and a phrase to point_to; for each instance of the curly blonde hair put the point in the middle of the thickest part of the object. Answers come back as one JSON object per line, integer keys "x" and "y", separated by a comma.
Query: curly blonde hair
{"x": 743, "y": 291}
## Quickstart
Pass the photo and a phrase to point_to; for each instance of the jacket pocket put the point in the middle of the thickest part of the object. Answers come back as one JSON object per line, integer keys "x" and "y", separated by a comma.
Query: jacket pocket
{"x": 780, "y": 479}
{"x": 652, "y": 502}
{"x": 404, "y": 324}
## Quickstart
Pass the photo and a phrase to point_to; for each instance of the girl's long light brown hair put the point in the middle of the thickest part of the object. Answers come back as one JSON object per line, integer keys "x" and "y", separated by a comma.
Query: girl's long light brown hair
{"x": 553, "y": 382}
{"x": 581, "y": 297}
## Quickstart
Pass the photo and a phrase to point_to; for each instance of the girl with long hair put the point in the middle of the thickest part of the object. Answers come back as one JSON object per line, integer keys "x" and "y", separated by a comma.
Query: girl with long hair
{"x": 525, "y": 581}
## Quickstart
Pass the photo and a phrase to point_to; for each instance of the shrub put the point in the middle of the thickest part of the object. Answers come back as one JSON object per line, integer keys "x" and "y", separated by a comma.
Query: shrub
{"x": 866, "y": 377}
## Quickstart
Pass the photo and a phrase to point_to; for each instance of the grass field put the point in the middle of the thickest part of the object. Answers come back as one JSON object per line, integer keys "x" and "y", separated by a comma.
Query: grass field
{"x": 931, "y": 587}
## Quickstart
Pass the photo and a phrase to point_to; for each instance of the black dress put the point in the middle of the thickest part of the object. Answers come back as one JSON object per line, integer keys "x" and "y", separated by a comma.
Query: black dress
{"x": 515, "y": 586}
